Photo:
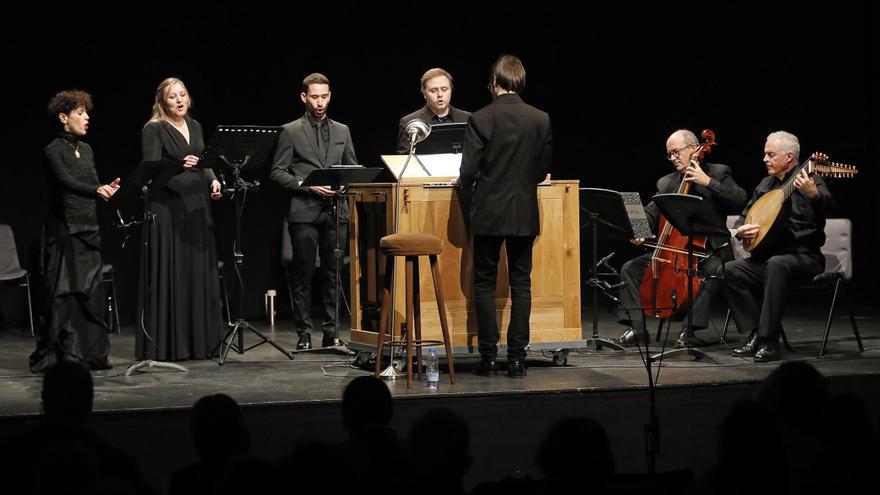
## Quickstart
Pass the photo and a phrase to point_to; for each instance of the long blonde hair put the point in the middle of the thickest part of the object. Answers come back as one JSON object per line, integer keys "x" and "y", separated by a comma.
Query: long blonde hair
{"x": 159, "y": 113}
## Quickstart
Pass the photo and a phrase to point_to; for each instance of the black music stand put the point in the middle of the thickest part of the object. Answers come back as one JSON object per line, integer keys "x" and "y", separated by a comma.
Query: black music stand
{"x": 444, "y": 138}
{"x": 338, "y": 177}
{"x": 136, "y": 187}
{"x": 603, "y": 216}
{"x": 238, "y": 150}
{"x": 686, "y": 213}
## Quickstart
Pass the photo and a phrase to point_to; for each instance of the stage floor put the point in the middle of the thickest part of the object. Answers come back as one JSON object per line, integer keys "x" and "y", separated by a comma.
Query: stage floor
{"x": 263, "y": 376}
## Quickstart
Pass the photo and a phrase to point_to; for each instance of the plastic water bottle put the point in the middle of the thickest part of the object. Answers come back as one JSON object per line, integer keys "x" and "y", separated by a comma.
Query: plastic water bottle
{"x": 432, "y": 370}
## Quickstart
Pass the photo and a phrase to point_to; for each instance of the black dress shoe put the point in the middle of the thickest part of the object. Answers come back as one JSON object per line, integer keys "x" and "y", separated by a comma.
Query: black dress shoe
{"x": 487, "y": 367}
{"x": 516, "y": 368}
{"x": 750, "y": 348}
{"x": 767, "y": 352}
{"x": 685, "y": 342}
{"x": 627, "y": 338}
{"x": 328, "y": 341}
{"x": 305, "y": 342}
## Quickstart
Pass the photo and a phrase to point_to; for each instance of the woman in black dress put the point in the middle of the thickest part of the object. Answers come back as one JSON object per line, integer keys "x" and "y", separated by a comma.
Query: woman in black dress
{"x": 181, "y": 314}
{"x": 77, "y": 328}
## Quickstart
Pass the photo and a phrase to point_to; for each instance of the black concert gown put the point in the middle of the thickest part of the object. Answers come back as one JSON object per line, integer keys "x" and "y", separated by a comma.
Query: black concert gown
{"x": 71, "y": 250}
{"x": 179, "y": 301}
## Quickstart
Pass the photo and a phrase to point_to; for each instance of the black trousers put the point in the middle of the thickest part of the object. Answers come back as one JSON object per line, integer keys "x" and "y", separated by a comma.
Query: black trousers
{"x": 487, "y": 253}
{"x": 631, "y": 273}
{"x": 756, "y": 288}
{"x": 308, "y": 241}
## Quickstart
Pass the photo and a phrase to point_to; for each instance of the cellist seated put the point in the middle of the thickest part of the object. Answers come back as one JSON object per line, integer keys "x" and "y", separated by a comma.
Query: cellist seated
{"x": 721, "y": 194}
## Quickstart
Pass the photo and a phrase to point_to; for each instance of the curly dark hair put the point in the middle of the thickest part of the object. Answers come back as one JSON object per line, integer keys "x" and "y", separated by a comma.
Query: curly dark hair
{"x": 69, "y": 100}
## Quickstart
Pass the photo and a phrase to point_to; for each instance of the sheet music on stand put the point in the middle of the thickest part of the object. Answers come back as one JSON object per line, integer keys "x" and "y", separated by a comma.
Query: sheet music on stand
{"x": 635, "y": 212}
{"x": 444, "y": 165}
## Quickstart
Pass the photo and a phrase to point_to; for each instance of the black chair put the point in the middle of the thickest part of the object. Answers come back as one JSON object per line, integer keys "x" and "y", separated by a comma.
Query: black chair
{"x": 11, "y": 272}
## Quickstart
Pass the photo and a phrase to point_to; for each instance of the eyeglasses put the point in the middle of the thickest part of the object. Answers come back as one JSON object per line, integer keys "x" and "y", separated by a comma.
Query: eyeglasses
{"x": 676, "y": 152}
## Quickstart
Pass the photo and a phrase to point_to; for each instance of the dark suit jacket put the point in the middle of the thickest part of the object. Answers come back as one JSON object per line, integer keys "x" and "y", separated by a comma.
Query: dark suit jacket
{"x": 507, "y": 152}
{"x": 297, "y": 155}
{"x": 426, "y": 115}
{"x": 722, "y": 196}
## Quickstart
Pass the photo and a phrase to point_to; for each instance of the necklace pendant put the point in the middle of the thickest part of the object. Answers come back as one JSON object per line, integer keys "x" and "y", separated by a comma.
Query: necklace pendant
{"x": 76, "y": 153}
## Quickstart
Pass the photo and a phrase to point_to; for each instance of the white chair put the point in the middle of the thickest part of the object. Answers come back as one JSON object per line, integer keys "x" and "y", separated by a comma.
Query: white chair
{"x": 838, "y": 272}
{"x": 837, "y": 275}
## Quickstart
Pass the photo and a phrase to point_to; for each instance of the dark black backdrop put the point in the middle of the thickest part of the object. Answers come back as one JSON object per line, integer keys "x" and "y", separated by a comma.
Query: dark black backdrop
{"x": 615, "y": 79}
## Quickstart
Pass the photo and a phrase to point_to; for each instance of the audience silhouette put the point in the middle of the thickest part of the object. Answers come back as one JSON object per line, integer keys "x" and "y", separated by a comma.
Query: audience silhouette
{"x": 61, "y": 455}
{"x": 795, "y": 437}
{"x": 439, "y": 442}
{"x": 219, "y": 436}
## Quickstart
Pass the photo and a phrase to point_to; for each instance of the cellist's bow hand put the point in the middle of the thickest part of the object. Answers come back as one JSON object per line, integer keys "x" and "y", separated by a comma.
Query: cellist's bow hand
{"x": 638, "y": 241}
{"x": 694, "y": 173}
{"x": 748, "y": 231}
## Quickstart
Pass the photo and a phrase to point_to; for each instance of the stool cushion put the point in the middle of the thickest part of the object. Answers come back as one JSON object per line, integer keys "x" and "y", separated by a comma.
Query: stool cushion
{"x": 410, "y": 245}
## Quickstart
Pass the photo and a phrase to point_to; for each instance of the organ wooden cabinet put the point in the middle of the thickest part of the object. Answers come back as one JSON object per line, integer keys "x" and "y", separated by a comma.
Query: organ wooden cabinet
{"x": 433, "y": 208}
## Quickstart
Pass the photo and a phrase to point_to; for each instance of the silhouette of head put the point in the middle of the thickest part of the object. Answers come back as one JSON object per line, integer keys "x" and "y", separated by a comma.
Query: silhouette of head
{"x": 217, "y": 427}
{"x": 366, "y": 405}
{"x": 449, "y": 435}
{"x": 67, "y": 393}
{"x": 576, "y": 449}
{"x": 749, "y": 431}
{"x": 797, "y": 393}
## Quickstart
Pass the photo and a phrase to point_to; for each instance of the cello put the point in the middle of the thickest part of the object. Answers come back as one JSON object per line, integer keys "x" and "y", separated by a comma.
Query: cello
{"x": 666, "y": 278}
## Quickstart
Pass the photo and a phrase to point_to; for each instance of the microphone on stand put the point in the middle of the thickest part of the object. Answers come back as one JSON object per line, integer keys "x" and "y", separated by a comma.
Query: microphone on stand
{"x": 604, "y": 261}
{"x": 417, "y": 130}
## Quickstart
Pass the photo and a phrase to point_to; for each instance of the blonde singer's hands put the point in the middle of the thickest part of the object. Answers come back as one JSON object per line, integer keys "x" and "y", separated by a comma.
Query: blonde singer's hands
{"x": 215, "y": 190}
{"x": 190, "y": 161}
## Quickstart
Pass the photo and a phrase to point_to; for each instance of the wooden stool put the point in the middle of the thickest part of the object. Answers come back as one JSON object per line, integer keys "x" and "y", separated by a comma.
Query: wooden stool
{"x": 411, "y": 246}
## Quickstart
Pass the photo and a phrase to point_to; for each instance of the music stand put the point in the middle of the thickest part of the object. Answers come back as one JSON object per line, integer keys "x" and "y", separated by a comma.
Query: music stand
{"x": 686, "y": 213}
{"x": 236, "y": 149}
{"x": 444, "y": 138}
{"x": 338, "y": 177}
{"x": 135, "y": 186}
{"x": 603, "y": 216}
